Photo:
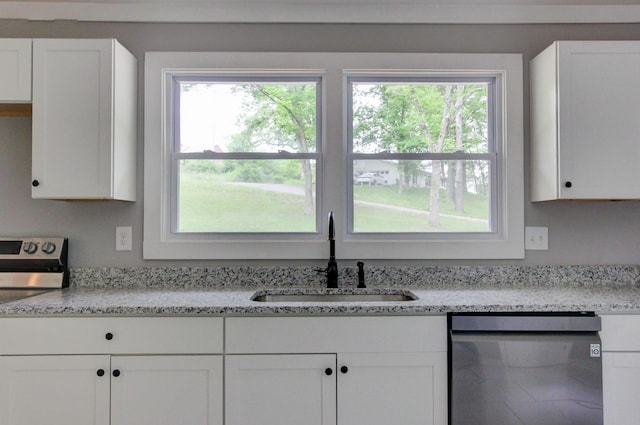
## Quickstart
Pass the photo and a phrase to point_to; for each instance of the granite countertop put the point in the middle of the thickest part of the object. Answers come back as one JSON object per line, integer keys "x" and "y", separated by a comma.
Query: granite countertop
{"x": 228, "y": 291}
{"x": 230, "y": 301}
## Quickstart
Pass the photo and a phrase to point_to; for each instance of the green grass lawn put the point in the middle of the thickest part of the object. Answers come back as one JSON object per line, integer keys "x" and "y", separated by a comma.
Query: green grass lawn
{"x": 418, "y": 198}
{"x": 375, "y": 219}
{"x": 210, "y": 205}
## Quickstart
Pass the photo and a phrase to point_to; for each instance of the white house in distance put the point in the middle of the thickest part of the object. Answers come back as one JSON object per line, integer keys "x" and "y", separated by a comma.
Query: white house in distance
{"x": 387, "y": 169}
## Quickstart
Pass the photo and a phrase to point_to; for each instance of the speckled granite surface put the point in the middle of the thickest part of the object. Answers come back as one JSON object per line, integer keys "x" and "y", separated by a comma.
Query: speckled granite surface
{"x": 238, "y": 277}
{"x": 228, "y": 291}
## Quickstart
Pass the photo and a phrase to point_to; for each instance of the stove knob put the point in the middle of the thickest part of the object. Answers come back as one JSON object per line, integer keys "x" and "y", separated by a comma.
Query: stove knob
{"x": 48, "y": 247}
{"x": 30, "y": 247}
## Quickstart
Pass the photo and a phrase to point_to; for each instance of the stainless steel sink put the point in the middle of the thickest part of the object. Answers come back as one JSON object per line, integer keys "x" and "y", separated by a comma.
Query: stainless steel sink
{"x": 263, "y": 296}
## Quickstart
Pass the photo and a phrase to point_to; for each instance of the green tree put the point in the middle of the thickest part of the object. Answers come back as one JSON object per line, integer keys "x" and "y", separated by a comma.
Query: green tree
{"x": 469, "y": 134}
{"x": 283, "y": 116}
{"x": 387, "y": 121}
{"x": 433, "y": 118}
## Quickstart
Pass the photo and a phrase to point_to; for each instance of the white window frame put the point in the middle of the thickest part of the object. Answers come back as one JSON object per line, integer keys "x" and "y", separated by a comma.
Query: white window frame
{"x": 493, "y": 153}
{"x": 245, "y": 76}
{"x": 161, "y": 243}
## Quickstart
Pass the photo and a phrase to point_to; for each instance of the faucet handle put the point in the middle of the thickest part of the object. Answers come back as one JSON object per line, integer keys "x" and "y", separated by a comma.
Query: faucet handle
{"x": 360, "y": 265}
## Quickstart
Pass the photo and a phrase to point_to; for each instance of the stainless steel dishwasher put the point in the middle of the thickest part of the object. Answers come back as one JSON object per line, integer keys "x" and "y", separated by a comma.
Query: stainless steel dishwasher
{"x": 525, "y": 369}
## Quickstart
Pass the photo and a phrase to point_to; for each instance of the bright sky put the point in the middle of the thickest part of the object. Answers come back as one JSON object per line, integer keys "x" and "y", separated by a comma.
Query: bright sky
{"x": 208, "y": 117}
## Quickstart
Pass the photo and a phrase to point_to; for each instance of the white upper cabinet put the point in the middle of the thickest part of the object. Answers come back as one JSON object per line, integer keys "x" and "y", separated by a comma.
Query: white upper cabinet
{"x": 84, "y": 120}
{"x": 585, "y": 126}
{"x": 15, "y": 70}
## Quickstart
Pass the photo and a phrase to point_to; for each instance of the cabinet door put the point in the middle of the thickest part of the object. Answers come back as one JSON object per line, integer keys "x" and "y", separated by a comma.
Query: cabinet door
{"x": 621, "y": 388}
{"x": 84, "y": 120}
{"x": 45, "y": 390}
{"x": 166, "y": 390}
{"x": 280, "y": 389}
{"x": 15, "y": 70}
{"x": 392, "y": 388}
{"x": 599, "y": 129}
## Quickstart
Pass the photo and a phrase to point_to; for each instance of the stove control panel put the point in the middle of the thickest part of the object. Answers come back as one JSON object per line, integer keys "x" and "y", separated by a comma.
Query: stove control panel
{"x": 47, "y": 248}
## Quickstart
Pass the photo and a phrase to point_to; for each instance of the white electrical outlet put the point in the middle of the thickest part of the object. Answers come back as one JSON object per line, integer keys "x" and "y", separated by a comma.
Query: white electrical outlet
{"x": 536, "y": 238}
{"x": 123, "y": 238}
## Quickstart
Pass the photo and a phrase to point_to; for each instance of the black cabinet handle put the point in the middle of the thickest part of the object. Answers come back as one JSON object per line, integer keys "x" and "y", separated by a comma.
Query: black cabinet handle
{"x": 568, "y": 185}
{"x": 328, "y": 371}
{"x": 35, "y": 183}
{"x": 100, "y": 372}
{"x": 108, "y": 336}
{"x": 116, "y": 373}
{"x": 344, "y": 369}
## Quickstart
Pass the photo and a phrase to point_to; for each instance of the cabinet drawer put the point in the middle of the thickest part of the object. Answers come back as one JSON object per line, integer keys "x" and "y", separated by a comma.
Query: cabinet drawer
{"x": 336, "y": 334}
{"x": 111, "y": 335}
{"x": 620, "y": 332}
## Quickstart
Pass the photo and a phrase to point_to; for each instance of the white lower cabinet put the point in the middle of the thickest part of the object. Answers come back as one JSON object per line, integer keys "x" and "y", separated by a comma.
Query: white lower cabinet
{"x": 140, "y": 371}
{"x": 280, "y": 389}
{"x": 45, "y": 390}
{"x": 166, "y": 390}
{"x": 392, "y": 388}
{"x": 621, "y": 369}
{"x": 376, "y": 370}
{"x": 371, "y": 389}
{"x": 621, "y": 386}
{"x": 140, "y": 390}
{"x": 267, "y": 370}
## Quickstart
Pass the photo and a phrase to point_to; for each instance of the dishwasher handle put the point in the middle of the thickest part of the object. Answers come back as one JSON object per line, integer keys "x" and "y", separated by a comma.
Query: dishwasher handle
{"x": 526, "y": 323}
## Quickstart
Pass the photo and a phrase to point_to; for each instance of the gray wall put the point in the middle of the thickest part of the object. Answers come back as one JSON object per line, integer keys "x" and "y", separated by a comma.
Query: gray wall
{"x": 579, "y": 233}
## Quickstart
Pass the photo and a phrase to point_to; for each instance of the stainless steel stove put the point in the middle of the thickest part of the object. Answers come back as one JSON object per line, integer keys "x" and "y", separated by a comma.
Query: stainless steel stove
{"x": 31, "y": 266}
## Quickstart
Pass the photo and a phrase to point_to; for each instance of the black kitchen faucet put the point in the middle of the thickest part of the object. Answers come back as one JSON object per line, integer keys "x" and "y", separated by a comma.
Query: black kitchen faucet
{"x": 332, "y": 267}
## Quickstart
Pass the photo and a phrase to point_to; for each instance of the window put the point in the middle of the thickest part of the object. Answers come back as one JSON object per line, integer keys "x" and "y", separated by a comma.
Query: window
{"x": 243, "y": 145}
{"x": 422, "y": 152}
{"x": 418, "y": 155}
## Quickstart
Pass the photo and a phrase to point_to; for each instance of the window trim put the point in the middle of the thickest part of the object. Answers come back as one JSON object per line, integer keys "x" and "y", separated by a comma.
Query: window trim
{"x": 176, "y": 155}
{"x": 159, "y": 243}
{"x": 494, "y": 141}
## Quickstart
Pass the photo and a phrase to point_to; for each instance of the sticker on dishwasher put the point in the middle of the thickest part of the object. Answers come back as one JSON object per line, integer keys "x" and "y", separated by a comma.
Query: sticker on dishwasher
{"x": 595, "y": 350}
